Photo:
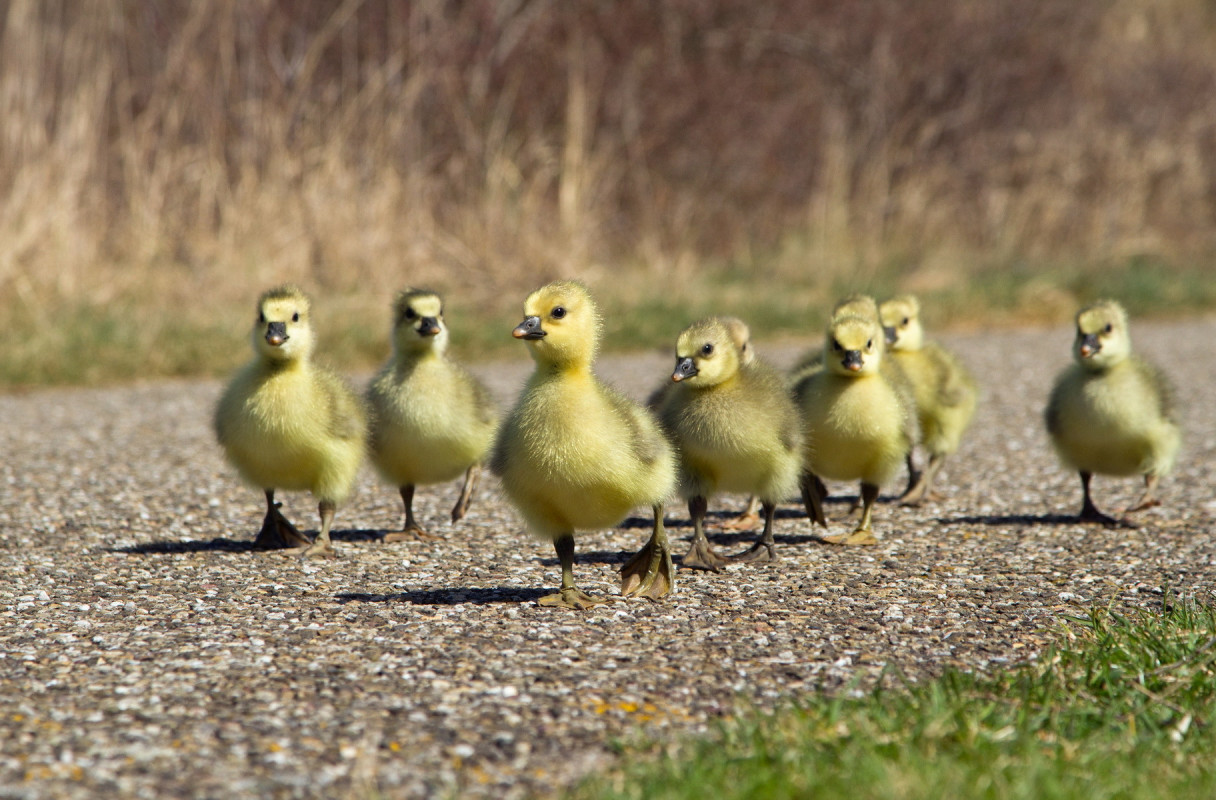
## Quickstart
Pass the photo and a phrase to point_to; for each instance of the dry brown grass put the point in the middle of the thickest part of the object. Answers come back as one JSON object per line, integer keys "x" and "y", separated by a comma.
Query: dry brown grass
{"x": 161, "y": 163}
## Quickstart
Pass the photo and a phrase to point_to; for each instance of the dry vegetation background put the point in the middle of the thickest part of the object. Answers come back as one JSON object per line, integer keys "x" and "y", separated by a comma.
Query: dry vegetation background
{"x": 161, "y": 163}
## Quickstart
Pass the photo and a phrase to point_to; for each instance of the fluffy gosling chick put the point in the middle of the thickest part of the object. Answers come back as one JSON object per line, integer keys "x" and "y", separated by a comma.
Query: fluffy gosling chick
{"x": 574, "y": 454}
{"x": 286, "y": 423}
{"x": 857, "y": 422}
{"x": 741, "y": 336}
{"x": 1111, "y": 412}
{"x": 431, "y": 419}
{"x": 735, "y": 428}
{"x": 944, "y": 391}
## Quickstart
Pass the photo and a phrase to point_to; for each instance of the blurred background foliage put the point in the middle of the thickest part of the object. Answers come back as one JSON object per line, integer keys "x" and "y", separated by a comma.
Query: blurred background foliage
{"x": 162, "y": 163}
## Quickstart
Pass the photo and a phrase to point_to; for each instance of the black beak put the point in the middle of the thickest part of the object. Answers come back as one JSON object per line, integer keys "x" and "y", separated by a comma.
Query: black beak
{"x": 276, "y": 333}
{"x": 529, "y": 329}
{"x": 1090, "y": 345}
{"x": 889, "y": 334}
{"x": 852, "y": 360}
{"x": 685, "y": 368}
{"x": 428, "y": 326}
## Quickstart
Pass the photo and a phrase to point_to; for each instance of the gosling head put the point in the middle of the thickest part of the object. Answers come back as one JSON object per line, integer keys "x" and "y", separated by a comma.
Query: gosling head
{"x": 283, "y": 330}
{"x": 418, "y": 324}
{"x": 854, "y": 346}
{"x": 901, "y": 323}
{"x": 741, "y": 335}
{"x": 706, "y": 354}
{"x": 1102, "y": 337}
{"x": 856, "y": 305}
{"x": 561, "y": 325}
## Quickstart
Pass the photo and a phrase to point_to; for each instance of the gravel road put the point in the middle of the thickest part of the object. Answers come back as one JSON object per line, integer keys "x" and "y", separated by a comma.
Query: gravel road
{"x": 146, "y": 651}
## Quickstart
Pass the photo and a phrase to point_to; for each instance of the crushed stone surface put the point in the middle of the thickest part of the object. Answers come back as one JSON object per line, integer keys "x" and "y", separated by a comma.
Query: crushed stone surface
{"x": 147, "y": 651}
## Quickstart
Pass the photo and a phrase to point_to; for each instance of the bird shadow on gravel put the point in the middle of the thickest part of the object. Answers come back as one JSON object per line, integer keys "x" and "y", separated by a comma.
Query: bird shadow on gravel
{"x": 217, "y": 545}
{"x": 1011, "y": 519}
{"x": 449, "y": 597}
{"x": 223, "y": 545}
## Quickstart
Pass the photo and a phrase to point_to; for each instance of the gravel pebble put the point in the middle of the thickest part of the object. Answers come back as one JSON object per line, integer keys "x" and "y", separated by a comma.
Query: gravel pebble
{"x": 146, "y": 651}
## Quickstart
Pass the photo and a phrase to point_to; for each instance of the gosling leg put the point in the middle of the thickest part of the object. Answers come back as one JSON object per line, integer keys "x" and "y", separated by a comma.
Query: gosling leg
{"x": 650, "y": 573}
{"x": 813, "y": 492}
{"x": 277, "y": 532}
{"x": 1148, "y": 499}
{"x": 914, "y": 492}
{"x": 412, "y": 529}
{"x": 322, "y": 546}
{"x": 764, "y": 549}
{"x": 863, "y": 534}
{"x": 471, "y": 476}
{"x": 700, "y": 554}
{"x": 1089, "y": 511}
{"x": 569, "y": 596}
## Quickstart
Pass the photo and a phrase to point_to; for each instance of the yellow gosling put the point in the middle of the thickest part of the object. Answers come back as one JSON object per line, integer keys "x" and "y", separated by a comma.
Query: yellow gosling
{"x": 286, "y": 423}
{"x": 944, "y": 391}
{"x": 735, "y": 428}
{"x": 431, "y": 419}
{"x": 741, "y": 335}
{"x": 1112, "y": 413}
{"x": 576, "y": 455}
{"x": 857, "y": 422}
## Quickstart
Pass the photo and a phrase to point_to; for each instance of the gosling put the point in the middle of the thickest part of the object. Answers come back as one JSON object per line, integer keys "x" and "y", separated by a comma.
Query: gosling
{"x": 944, "y": 391}
{"x": 857, "y": 423}
{"x": 735, "y": 428}
{"x": 1111, "y": 412}
{"x": 741, "y": 336}
{"x": 285, "y": 423}
{"x": 431, "y": 419}
{"x": 574, "y": 454}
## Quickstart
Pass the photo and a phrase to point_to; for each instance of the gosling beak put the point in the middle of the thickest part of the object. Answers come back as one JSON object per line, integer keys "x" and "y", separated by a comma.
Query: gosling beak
{"x": 1090, "y": 346}
{"x": 276, "y": 333}
{"x": 428, "y": 326}
{"x": 529, "y": 329}
{"x": 852, "y": 360}
{"x": 685, "y": 368}
{"x": 889, "y": 334}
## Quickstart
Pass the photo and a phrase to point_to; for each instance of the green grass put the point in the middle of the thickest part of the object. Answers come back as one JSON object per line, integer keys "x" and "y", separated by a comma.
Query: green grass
{"x": 1119, "y": 708}
{"x": 77, "y": 342}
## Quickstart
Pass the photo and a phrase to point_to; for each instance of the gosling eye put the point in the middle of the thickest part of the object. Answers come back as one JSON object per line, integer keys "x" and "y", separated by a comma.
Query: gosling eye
{"x": 261, "y": 316}
{"x": 836, "y": 346}
{"x": 295, "y": 317}
{"x": 869, "y": 344}
{"x": 707, "y": 349}
{"x": 558, "y": 312}
{"x": 1108, "y": 328}
{"x": 906, "y": 321}
{"x": 410, "y": 313}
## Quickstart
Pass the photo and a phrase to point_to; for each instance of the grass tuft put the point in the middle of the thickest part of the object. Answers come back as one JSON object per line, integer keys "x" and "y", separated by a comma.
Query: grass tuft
{"x": 1119, "y": 708}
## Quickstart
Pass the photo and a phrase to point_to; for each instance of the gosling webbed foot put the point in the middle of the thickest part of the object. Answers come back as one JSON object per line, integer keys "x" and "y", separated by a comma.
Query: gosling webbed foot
{"x": 759, "y": 553}
{"x": 318, "y": 549}
{"x": 915, "y": 494}
{"x": 571, "y": 597}
{"x": 1091, "y": 515}
{"x": 746, "y": 521}
{"x": 278, "y": 533}
{"x": 1142, "y": 505}
{"x": 411, "y": 533}
{"x": 859, "y": 537}
{"x": 701, "y": 555}
{"x": 649, "y": 573}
